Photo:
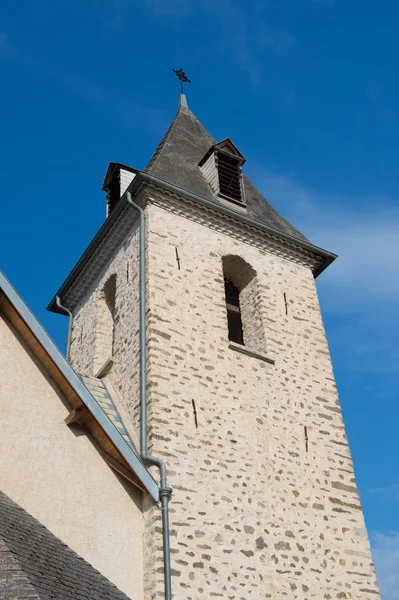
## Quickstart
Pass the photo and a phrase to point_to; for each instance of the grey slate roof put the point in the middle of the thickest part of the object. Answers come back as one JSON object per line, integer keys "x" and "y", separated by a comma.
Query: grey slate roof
{"x": 98, "y": 389}
{"x": 176, "y": 161}
{"x": 35, "y": 564}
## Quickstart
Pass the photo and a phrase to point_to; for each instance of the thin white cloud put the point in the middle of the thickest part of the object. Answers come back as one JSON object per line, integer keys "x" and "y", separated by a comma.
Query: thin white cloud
{"x": 121, "y": 106}
{"x": 387, "y": 492}
{"x": 366, "y": 239}
{"x": 83, "y": 86}
{"x": 234, "y": 37}
{"x": 112, "y": 16}
{"x": 276, "y": 40}
{"x": 242, "y": 32}
{"x": 385, "y": 550}
{"x": 171, "y": 7}
{"x": 361, "y": 288}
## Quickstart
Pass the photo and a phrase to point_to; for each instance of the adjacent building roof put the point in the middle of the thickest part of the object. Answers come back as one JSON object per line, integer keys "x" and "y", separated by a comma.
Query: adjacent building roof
{"x": 35, "y": 564}
{"x": 99, "y": 390}
{"x": 101, "y": 423}
{"x": 177, "y": 158}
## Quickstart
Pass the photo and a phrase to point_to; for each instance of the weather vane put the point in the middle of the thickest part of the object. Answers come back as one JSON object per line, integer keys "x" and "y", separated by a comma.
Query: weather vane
{"x": 183, "y": 78}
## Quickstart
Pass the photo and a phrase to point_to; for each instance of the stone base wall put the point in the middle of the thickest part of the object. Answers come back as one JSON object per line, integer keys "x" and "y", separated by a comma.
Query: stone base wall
{"x": 258, "y": 511}
{"x": 265, "y": 503}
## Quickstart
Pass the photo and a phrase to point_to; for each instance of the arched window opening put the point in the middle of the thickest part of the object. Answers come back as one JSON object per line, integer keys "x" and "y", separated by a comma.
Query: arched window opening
{"x": 243, "y": 303}
{"x": 106, "y": 322}
{"x": 233, "y": 312}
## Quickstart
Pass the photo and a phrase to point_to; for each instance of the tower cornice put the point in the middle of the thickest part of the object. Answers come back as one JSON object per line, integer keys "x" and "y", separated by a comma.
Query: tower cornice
{"x": 149, "y": 189}
{"x": 238, "y": 226}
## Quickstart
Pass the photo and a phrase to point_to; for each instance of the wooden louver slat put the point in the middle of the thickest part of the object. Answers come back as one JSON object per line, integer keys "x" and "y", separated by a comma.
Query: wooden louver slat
{"x": 229, "y": 177}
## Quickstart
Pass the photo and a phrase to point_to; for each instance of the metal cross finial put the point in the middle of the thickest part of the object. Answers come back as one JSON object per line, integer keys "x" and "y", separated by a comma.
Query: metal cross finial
{"x": 183, "y": 78}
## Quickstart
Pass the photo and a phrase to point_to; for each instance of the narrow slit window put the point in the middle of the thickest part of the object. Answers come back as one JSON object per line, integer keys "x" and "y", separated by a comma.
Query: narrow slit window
{"x": 305, "y": 430}
{"x": 195, "y": 414}
{"x": 285, "y": 303}
{"x": 177, "y": 258}
{"x": 233, "y": 312}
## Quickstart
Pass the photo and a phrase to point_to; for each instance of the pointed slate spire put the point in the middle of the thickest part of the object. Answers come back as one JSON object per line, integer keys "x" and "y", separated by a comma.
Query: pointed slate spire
{"x": 177, "y": 161}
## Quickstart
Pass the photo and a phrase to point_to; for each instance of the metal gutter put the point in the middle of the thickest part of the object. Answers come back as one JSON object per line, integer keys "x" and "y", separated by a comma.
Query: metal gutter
{"x": 70, "y": 321}
{"x": 62, "y": 364}
{"x": 142, "y": 177}
{"x": 165, "y": 492}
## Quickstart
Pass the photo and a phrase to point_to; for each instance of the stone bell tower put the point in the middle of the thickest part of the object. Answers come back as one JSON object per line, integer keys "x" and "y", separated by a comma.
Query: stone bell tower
{"x": 242, "y": 402}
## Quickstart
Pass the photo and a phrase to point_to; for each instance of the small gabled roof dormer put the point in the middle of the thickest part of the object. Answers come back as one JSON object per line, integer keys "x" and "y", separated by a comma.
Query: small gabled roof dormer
{"x": 180, "y": 161}
{"x": 117, "y": 179}
{"x": 222, "y": 167}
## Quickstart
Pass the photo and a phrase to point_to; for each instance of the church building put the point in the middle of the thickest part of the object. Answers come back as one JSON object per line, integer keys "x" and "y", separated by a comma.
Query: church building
{"x": 190, "y": 445}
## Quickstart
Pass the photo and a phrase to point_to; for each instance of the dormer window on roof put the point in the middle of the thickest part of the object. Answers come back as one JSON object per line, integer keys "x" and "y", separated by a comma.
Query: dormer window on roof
{"x": 222, "y": 167}
{"x": 117, "y": 180}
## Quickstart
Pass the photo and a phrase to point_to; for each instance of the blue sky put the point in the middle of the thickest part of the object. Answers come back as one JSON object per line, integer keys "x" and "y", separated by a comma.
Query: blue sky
{"x": 307, "y": 89}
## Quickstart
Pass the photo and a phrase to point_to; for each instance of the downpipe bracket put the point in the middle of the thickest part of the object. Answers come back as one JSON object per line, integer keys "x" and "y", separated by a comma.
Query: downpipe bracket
{"x": 165, "y": 492}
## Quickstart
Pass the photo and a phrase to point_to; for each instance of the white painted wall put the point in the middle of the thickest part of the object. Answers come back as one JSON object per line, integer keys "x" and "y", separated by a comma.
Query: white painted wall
{"x": 57, "y": 475}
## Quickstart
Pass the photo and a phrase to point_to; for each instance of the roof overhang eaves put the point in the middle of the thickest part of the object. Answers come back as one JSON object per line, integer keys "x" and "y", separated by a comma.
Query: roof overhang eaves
{"x": 218, "y": 148}
{"x": 100, "y": 235}
{"x": 142, "y": 177}
{"x": 326, "y": 256}
{"x": 233, "y": 150}
{"x": 77, "y": 385}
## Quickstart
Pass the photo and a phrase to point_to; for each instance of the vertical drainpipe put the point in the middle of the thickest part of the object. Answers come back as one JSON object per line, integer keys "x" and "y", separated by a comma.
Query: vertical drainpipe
{"x": 66, "y": 312}
{"x": 165, "y": 492}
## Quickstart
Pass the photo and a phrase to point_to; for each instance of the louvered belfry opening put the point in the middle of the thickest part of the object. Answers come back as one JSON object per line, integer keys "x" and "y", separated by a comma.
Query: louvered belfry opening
{"x": 229, "y": 170}
{"x": 233, "y": 312}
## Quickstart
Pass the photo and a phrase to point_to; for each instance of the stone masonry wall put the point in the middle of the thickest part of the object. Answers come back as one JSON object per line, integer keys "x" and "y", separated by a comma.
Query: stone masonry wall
{"x": 87, "y": 334}
{"x": 256, "y": 511}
